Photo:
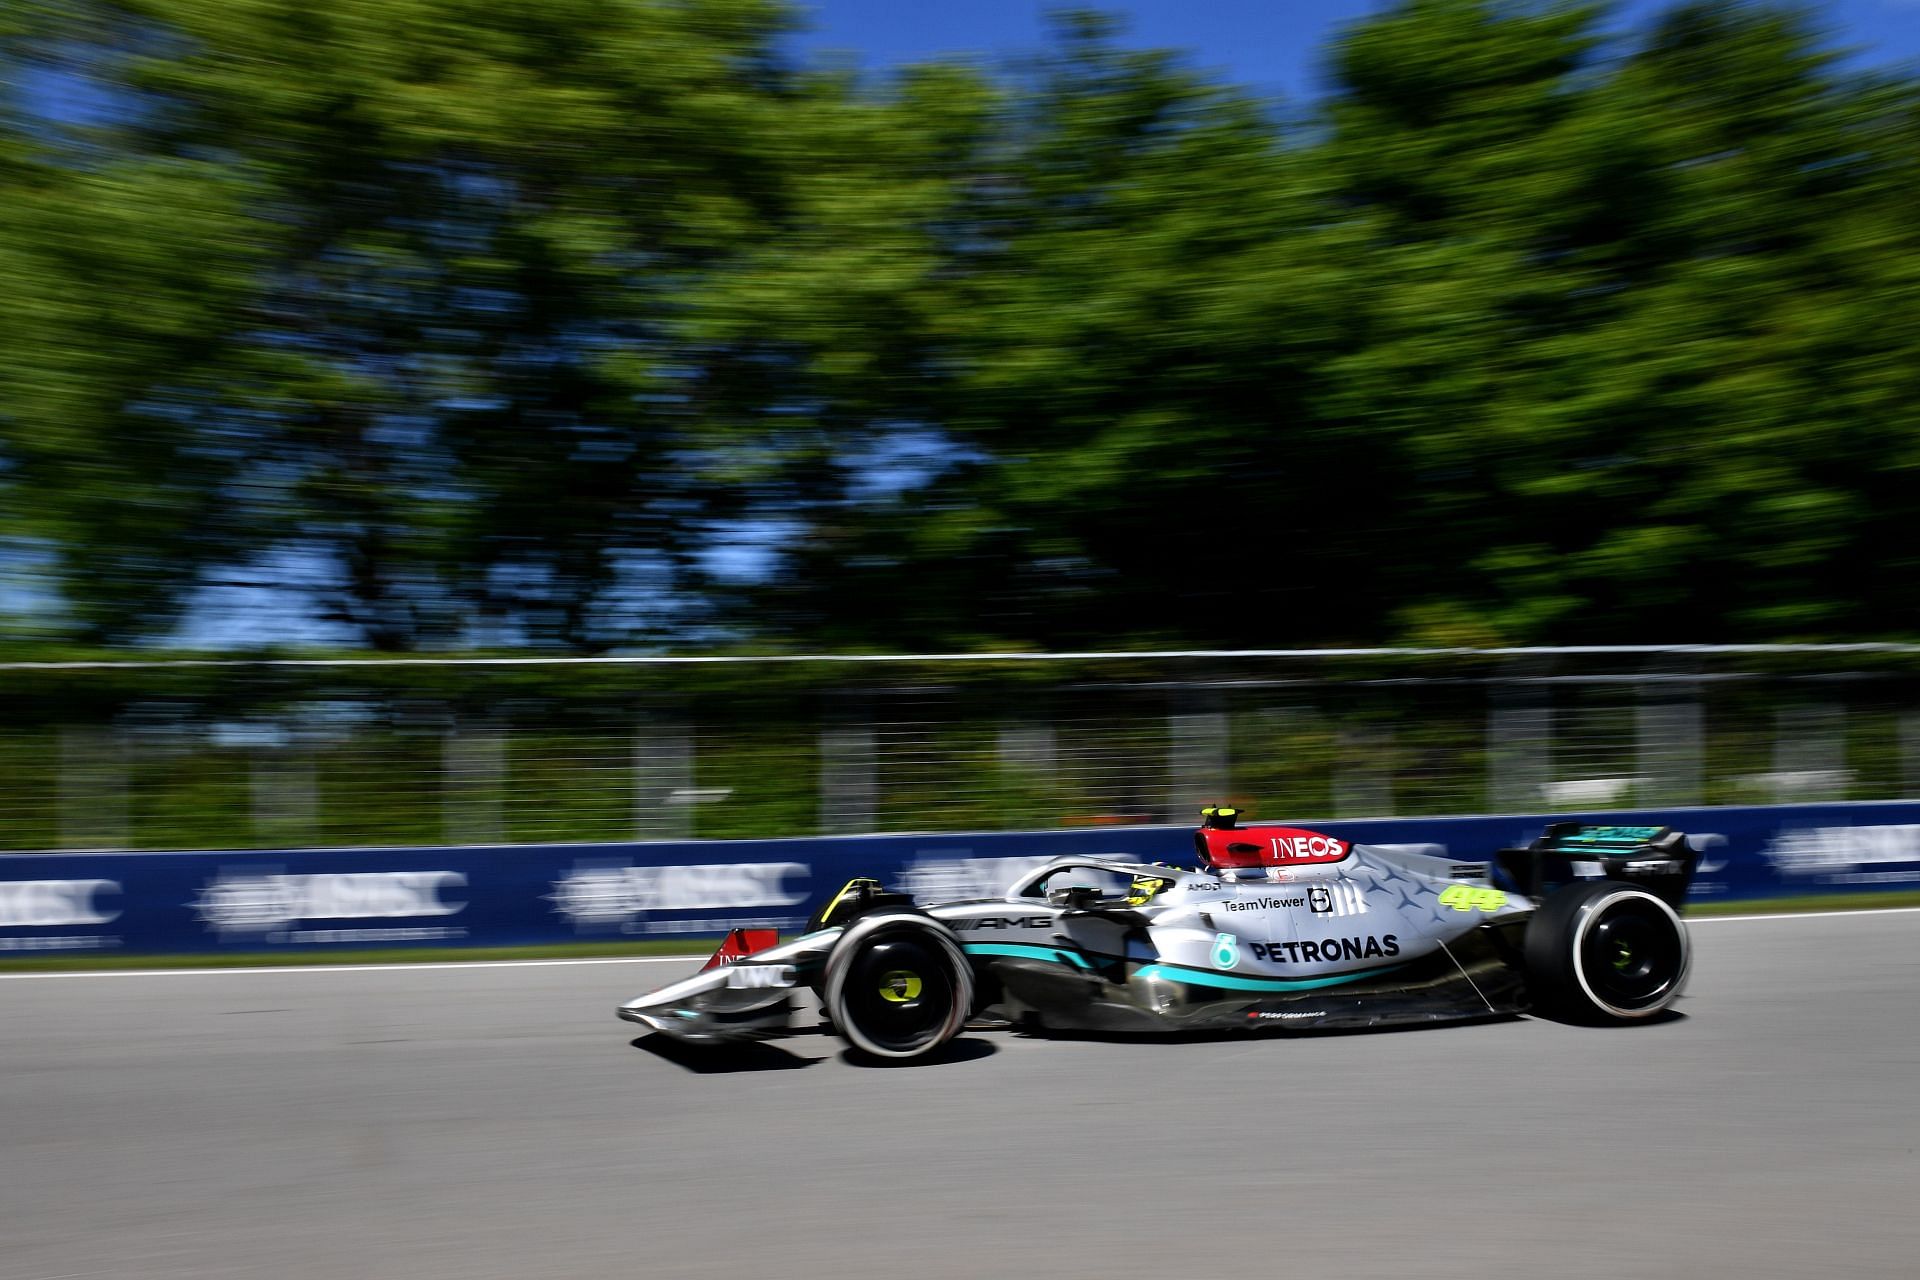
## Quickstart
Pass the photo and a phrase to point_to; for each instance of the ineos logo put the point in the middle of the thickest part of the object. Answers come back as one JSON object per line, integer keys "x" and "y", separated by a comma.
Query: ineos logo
{"x": 49, "y": 904}
{"x": 1302, "y": 848}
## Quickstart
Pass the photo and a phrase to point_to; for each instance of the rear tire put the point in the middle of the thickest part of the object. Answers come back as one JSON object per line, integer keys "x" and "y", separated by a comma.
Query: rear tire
{"x": 1606, "y": 951}
{"x": 897, "y": 986}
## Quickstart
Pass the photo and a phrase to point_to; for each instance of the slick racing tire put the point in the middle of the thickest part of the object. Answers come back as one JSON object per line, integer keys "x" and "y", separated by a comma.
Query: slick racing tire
{"x": 1606, "y": 951}
{"x": 897, "y": 986}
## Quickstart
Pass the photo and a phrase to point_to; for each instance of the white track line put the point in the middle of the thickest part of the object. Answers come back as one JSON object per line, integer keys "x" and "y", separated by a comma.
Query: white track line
{"x": 322, "y": 967}
{"x": 691, "y": 959}
{"x": 1807, "y": 915}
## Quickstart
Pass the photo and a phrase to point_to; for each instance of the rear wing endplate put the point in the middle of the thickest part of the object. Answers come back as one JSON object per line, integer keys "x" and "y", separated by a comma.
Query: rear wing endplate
{"x": 1656, "y": 858}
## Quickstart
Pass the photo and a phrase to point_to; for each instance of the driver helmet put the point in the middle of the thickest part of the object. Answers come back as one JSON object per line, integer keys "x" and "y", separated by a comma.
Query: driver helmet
{"x": 1143, "y": 889}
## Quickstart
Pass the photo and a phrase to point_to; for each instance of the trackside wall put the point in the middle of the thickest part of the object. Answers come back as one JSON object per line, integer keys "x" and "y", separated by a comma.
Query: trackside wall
{"x": 518, "y": 895}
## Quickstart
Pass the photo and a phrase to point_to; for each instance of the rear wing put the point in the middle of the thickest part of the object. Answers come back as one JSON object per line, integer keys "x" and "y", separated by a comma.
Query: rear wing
{"x": 1655, "y": 858}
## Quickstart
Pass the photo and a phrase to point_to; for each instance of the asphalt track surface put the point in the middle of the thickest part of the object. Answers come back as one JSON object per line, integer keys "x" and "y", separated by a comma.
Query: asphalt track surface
{"x": 498, "y": 1122}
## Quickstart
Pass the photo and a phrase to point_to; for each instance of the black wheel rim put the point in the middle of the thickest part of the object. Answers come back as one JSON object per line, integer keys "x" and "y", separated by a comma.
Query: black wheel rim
{"x": 899, "y": 992}
{"x": 1632, "y": 954}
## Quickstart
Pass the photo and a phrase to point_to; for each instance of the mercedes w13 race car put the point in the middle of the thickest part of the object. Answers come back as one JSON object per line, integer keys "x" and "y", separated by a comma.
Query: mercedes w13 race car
{"x": 1275, "y": 927}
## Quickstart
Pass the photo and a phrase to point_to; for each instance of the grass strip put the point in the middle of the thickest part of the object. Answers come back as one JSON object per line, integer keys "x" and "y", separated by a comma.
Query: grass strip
{"x": 1808, "y": 902}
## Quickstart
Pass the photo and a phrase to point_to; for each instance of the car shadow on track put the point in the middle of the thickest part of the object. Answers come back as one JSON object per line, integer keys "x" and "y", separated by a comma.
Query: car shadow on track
{"x": 727, "y": 1058}
{"x": 1224, "y": 1034}
{"x": 1666, "y": 1017}
{"x": 960, "y": 1049}
{"x": 723, "y": 1059}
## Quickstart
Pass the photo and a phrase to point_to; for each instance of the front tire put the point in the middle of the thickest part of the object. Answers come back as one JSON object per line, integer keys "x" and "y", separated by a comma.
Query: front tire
{"x": 897, "y": 986}
{"x": 1606, "y": 951}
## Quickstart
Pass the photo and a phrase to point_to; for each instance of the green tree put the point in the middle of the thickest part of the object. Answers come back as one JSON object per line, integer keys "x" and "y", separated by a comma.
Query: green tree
{"x": 1116, "y": 374}
{"x": 451, "y": 382}
{"x": 1623, "y": 316}
{"x": 119, "y": 267}
{"x": 493, "y": 320}
{"x": 1754, "y": 379}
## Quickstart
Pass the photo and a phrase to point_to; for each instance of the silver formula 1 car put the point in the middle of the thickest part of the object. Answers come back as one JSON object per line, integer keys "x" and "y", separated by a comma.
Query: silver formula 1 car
{"x": 1276, "y": 927}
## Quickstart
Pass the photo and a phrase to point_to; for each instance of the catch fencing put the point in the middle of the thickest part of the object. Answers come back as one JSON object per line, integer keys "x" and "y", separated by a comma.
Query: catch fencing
{"x": 211, "y": 754}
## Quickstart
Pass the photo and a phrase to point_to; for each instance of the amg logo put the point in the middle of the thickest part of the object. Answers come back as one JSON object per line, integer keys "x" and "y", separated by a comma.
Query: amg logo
{"x": 1004, "y": 922}
{"x": 1327, "y": 951}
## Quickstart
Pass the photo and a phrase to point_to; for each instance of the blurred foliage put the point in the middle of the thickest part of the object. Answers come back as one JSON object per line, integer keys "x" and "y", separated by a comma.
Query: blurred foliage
{"x": 454, "y": 323}
{"x": 1517, "y": 340}
{"x": 387, "y": 284}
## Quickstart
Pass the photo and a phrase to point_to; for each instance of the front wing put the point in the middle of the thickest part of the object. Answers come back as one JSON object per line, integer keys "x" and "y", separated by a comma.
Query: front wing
{"x": 747, "y": 999}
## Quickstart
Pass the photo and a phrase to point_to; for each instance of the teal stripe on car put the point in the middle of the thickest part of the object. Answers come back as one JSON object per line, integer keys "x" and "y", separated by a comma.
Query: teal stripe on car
{"x": 1233, "y": 982}
{"x": 1024, "y": 952}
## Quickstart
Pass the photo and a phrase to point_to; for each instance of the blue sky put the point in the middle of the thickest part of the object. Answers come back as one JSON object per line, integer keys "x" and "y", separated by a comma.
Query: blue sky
{"x": 1268, "y": 45}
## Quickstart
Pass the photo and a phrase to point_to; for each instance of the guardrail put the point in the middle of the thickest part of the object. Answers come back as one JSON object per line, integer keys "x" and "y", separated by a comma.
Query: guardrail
{"x": 518, "y": 895}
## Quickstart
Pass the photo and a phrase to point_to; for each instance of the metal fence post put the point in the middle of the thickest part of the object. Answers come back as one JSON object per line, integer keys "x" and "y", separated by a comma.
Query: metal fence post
{"x": 1809, "y": 753}
{"x": 474, "y": 756}
{"x": 663, "y": 770}
{"x": 1198, "y": 763}
{"x": 1910, "y": 754}
{"x": 1029, "y": 746}
{"x": 1363, "y": 772}
{"x": 284, "y": 791}
{"x": 849, "y": 782}
{"x": 1029, "y": 756}
{"x": 93, "y": 789}
{"x": 1519, "y": 744}
{"x": 1669, "y": 747}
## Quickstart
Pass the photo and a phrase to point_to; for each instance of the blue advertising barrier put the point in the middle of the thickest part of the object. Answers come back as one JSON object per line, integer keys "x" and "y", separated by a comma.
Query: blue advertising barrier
{"x": 517, "y": 895}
